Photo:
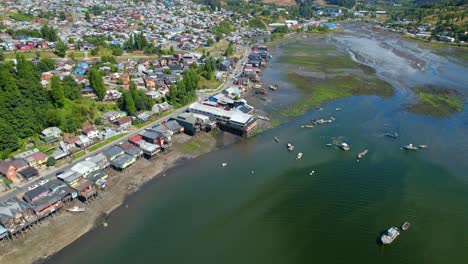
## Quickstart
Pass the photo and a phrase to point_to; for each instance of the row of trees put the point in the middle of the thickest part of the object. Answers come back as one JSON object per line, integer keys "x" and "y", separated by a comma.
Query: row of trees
{"x": 184, "y": 91}
{"x": 134, "y": 100}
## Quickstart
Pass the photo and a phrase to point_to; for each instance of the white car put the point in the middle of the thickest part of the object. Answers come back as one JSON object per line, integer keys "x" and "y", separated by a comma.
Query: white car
{"x": 32, "y": 187}
{"x": 43, "y": 182}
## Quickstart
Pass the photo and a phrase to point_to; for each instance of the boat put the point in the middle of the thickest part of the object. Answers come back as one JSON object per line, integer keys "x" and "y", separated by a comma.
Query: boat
{"x": 361, "y": 154}
{"x": 76, "y": 209}
{"x": 392, "y": 135}
{"x": 344, "y": 146}
{"x": 272, "y": 87}
{"x": 307, "y": 126}
{"x": 290, "y": 147}
{"x": 338, "y": 109}
{"x": 322, "y": 121}
{"x": 405, "y": 226}
{"x": 276, "y": 139}
{"x": 390, "y": 235}
{"x": 299, "y": 156}
{"x": 422, "y": 146}
{"x": 263, "y": 118}
{"x": 410, "y": 147}
{"x": 329, "y": 144}
{"x": 224, "y": 164}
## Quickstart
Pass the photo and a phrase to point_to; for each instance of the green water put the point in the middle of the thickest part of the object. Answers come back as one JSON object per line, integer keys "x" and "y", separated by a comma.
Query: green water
{"x": 266, "y": 207}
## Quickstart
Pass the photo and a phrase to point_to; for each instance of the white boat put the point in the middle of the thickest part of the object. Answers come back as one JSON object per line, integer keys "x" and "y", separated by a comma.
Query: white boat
{"x": 405, "y": 226}
{"x": 422, "y": 146}
{"x": 410, "y": 147}
{"x": 344, "y": 146}
{"x": 338, "y": 109}
{"x": 361, "y": 154}
{"x": 272, "y": 87}
{"x": 299, "y": 156}
{"x": 276, "y": 139}
{"x": 390, "y": 235}
{"x": 290, "y": 147}
{"x": 224, "y": 164}
{"x": 76, "y": 209}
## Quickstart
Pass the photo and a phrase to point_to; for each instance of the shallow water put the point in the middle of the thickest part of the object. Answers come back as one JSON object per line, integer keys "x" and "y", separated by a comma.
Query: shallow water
{"x": 266, "y": 207}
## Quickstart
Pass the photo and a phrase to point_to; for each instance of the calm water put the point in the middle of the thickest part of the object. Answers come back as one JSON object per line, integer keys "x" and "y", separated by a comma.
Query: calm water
{"x": 204, "y": 213}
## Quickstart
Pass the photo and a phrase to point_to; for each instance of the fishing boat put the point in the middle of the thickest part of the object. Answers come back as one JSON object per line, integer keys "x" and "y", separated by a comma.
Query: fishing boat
{"x": 405, "y": 226}
{"x": 361, "y": 154}
{"x": 422, "y": 146}
{"x": 76, "y": 209}
{"x": 392, "y": 135}
{"x": 344, "y": 146}
{"x": 276, "y": 139}
{"x": 299, "y": 156}
{"x": 410, "y": 147}
{"x": 307, "y": 126}
{"x": 290, "y": 147}
{"x": 390, "y": 235}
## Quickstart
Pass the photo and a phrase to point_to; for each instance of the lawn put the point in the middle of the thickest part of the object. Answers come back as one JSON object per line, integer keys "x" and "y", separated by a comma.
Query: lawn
{"x": 436, "y": 102}
{"x": 78, "y": 155}
{"x": 208, "y": 84}
{"x": 30, "y": 54}
{"x": 105, "y": 142}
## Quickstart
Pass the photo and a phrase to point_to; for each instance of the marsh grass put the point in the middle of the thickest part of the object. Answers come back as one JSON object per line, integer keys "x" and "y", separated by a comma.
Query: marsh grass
{"x": 436, "y": 101}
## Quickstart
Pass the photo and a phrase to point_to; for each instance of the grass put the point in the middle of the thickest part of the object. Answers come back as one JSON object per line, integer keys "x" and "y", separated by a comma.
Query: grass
{"x": 105, "y": 142}
{"x": 21, "y": 16}
{"x": 199, "y": 144}
{"x": 78, "y": 155}
{"x": 436, "y": 102}
{"x": 30, "y": 54}
{"x": 208, "y": 84}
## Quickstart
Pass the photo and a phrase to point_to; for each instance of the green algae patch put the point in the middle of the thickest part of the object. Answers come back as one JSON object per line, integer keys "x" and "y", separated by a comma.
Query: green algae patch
{"x": 436, "y": 102}
{"x": 318, "y": 91}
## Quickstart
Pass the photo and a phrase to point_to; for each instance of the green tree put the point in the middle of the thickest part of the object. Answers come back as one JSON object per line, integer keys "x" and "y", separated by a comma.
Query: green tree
{"x": 50, "y": 161}
{"x": 126, "y": 103}
{"x": 87, "y": 17}
{"x": 56, "y": 92}
{"x": 97, "y": 82}
{"x": 71, "y": 88}
{"x": 46, "y": 64}
{"x": 229, "y": 50}
{"x": 60, "y": 49}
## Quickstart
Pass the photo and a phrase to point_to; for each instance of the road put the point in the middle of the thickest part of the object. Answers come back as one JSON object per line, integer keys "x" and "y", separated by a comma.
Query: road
{"x": 51, "y": 173}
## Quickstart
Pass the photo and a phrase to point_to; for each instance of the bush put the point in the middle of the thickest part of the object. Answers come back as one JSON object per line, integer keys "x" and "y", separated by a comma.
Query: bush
{"x": 51, "y": 161}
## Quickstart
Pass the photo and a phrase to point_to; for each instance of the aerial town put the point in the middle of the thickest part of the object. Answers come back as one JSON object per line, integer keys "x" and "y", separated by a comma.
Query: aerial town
{"x": 108, "y": 84}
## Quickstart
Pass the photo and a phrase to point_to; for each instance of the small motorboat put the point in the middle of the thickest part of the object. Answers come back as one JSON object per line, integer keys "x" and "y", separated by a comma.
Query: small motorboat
{"x": 276, "y": 139}
{"x": 299, "y": 156}
{"x": 290, "y": 147}
{"x": 390, "y": 235}
{"x": 422, "y": 146}
{"x": 224, "y": 164}
{"x": 405, "y": 226}
{"x": 362, "y": 154}
{"x": 76, "y": 209}
{"x": 410, "y": 147}
{"x": 307, "y": 126}
{"x": 272, "y": 87}
{"x": 329, "y": 144}
{"x": 344, "y": 146}
{"x": 338, "y": 109}
{"x": 392, "y": 135}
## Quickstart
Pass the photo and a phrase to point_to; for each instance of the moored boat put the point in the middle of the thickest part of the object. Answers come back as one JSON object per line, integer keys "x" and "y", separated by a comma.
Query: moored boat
{"x": 361, "y": 154}
{"x": 276, "y": 139}
{"x": 299, "y": 156}
{"x": 344, "y": 146}
{"x": 76, "y": 209}
{"x": 307, "y": 126}
{"x": 392, "y": 135}
{"x": 290, "y": 147}
{"x": 410, "y": 147}
{"x": 405, "y": 225}
{"x": 224, "y": 164}
{"x": 422, "y": 146}
{"x": 390, "y": 235}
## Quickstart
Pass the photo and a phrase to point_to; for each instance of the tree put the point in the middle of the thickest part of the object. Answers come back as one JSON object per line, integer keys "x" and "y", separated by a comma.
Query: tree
{"x": 71, "y": 55}
{"x": 95, "y": 51}
{"x": 49, "y": 33}
{"x": 126, "y": 103}
{"x": 116, "y": 50}
{"x": 71, "y": 88}
{"x": 46, "y": 64}
{"x": 56, "y": 92}
{"x": 2, "y": 56}
{"x": 87, "y": 17}
{"x": 210, "y": 42}
{"x": 229, "y": 50}
{"x": 97, "y": 82}
{"x": 50, "y": 161}
{"x": 60, "y": 49}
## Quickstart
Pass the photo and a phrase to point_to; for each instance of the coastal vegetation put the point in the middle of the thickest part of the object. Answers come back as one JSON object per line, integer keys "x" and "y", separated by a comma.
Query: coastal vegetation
{"x": 324, "y": 73}
{"x": 436, "y": 101}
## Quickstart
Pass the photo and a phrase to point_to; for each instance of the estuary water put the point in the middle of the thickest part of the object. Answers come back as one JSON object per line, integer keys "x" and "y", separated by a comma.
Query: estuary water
{"x": 267, "y": 207}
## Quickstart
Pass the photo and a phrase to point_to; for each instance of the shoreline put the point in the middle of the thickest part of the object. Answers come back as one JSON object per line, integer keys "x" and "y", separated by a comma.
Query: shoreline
{"x": 64, "y": 228}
